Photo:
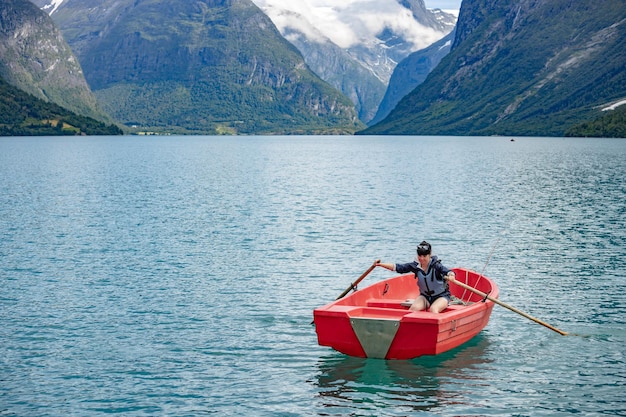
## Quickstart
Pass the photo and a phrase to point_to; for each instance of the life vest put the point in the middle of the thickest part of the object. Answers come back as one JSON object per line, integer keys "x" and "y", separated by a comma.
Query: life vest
{"x": 431, "y": 283}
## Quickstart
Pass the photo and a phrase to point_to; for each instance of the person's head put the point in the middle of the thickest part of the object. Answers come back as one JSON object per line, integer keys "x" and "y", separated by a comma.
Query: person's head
{"x": 424, "y": 249}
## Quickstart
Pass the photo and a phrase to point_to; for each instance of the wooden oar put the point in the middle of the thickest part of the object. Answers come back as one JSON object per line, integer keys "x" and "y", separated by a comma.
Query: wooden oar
{"x": 353, "y": 285}
{"x": 521, "y": 313}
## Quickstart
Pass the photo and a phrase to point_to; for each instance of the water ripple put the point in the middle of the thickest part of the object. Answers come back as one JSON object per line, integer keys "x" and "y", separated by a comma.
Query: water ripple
{"x": 177, "y": 276}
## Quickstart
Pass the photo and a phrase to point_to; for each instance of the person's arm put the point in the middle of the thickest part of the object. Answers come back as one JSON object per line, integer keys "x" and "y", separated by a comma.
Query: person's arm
{"x": 448, "y": 274}
{"x": 450, "y": 277}
{"x": 389, "y": 266}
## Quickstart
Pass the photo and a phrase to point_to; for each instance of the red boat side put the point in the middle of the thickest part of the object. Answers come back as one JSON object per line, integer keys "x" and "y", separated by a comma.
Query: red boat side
{"x": 375, "y": 321}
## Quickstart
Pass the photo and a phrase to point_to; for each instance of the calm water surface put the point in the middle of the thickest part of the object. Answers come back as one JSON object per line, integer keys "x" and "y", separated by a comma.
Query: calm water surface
{"x": 177, "y": 275}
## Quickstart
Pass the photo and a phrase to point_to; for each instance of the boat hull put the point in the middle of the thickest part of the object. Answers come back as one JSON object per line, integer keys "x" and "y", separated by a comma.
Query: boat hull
{"x": 375, "y": 321}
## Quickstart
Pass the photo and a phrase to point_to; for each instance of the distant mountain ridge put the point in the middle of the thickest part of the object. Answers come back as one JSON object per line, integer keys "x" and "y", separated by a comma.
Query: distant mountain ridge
{"x": 524, "y": 67}
{"x": 35, "y": 58}
{"x": 410, "y": 73}
{"x": 208, "y": 66}
{"x": 363, "y": 70}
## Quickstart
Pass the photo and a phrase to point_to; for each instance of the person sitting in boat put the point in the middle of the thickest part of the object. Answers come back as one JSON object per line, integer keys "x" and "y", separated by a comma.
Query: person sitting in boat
{"x": 431, "y": 279}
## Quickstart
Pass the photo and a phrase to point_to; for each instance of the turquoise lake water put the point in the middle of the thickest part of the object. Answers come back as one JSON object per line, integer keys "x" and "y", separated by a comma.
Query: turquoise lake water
{"x": 176, "y": 276}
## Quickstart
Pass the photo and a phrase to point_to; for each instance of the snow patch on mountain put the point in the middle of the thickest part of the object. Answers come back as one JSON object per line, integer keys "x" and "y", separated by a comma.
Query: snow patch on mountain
{"x": 614, "y": 105}
{"x": 52, "y": 6}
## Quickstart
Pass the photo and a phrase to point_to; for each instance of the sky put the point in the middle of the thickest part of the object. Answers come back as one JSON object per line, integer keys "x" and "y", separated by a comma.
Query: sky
{"x": 350, "y": 22}
{"x": 443, "y": 4}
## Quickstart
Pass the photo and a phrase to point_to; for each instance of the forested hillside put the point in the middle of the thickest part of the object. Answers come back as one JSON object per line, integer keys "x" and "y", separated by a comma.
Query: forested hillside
{"x": 610, "y": 125}
{"x": 21, "y": 114}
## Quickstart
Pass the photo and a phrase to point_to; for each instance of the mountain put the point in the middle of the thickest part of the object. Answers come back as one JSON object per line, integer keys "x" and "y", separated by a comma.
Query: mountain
{"x": 337, "y": 67}
{"x": 35, "y": 58}
{"x": 22, "y": 114}
{"x": 523, "y": 67}
{"x": 410, "y": 73}
{"x": 202, "y": 67}
{"x": 356, "y": 45}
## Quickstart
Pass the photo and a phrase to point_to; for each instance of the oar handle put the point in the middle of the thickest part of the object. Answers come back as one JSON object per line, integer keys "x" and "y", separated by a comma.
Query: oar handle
{"x": 355, "y": 283}
{"x": 495, "y": 300}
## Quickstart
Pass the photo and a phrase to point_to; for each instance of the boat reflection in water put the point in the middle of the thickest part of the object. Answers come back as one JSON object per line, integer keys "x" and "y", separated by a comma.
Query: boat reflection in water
{"x": 418, "y": 385}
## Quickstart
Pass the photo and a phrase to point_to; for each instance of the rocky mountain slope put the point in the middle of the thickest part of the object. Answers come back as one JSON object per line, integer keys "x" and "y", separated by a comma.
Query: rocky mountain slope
{"x": 207, "y": 66}
{"x": 520, "y": 67}
{"x": 35, "y": 58}
{"x": 336, "y": 66}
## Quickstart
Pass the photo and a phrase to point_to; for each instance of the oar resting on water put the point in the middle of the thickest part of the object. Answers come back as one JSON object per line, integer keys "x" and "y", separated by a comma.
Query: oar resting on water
{"x": 495, "y": 300}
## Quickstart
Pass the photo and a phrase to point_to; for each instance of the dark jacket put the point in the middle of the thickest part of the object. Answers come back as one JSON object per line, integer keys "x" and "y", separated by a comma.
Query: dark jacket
{"x": 430, "y": 282}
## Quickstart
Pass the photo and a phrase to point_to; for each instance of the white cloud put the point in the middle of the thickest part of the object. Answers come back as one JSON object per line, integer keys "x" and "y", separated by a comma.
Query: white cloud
{"x": 348, "y": 22}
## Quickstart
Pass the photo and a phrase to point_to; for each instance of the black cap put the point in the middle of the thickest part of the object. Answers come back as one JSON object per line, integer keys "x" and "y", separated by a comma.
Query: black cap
{"x": 424, "y": 248}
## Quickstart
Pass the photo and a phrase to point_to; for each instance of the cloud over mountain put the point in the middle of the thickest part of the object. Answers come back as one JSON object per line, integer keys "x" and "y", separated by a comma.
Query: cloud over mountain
{"x": 349, "y": 22}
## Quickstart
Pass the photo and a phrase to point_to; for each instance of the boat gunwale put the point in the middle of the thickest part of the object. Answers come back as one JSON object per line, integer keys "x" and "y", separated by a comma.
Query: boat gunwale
{"x": 358, "y": 300}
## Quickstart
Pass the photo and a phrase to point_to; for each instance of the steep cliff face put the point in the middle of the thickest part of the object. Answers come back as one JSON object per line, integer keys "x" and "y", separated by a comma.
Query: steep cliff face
{"x": 523, "y": 67}
{"x": 336, "y": 66}
{"x": 35, "y": 58}
{"x": 207, "y": 66}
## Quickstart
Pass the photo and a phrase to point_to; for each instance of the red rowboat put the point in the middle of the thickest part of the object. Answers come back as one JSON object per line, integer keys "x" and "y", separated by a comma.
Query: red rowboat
{"x": 375, "y": 322}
